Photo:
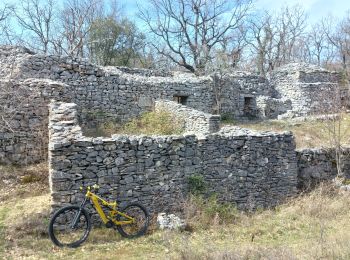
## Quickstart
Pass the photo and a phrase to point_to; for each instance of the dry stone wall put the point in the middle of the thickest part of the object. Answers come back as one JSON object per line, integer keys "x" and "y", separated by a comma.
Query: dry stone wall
{"x": 269, "y": 107}
{"x": 11, "y": 58}
{"x": 24, "y": 119}
{"x": 109, "y": 93}
{"x": 232, "y": 90}
{"x": 310, "y": 89}
{"x": 195, "y": 122}
{"x": 319, "y": 165}
{"x": 119, "y": 94}
{"x": 116, "y": 95}
{"x": 101, "y": 94}
{"x": 246, "y": 168}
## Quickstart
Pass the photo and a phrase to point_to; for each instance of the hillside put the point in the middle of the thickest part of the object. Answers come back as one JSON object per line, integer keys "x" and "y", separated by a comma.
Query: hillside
{"x": 312, "y": 226}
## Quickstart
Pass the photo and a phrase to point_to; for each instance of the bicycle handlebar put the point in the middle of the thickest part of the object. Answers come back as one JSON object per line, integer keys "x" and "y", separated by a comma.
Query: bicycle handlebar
{"x": 79, "y": 176}
{"x": 88, "y": 188}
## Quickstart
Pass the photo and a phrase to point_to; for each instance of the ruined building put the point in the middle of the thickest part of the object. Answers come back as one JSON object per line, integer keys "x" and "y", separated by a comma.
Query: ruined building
{"x": 246, "y": 167}
{"x": 119, "y": 94}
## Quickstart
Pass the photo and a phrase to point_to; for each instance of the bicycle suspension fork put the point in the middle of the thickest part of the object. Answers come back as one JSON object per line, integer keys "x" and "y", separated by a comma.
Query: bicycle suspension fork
{"x": 76, "y": 217}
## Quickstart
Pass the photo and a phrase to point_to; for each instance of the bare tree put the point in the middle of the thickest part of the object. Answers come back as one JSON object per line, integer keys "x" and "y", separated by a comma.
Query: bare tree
{"x": 75, "y": 22}
{"x": 290, "y": 24}
{"x": 317, "y": 39}
{"x": 36, "y": 18}
{"x": 260, "y": 39}
{"x": 5, "y": 12}
{"x": 233, "y": 47}
{"x": 274, "y": 37}
{"x": 317, "y": 47}
{"x": 5, "y": 29}
{"x": 334, "y": 131}
{"x": 191, "y": 29}
{"x": 339, "y": 36}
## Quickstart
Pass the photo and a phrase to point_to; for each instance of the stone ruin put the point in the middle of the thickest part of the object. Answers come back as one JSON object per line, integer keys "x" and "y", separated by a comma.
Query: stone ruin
{"x": 113, "y": 94}
{"x": 308, "y": 89}
{"x": 247, "y": 168}
{"x": 244, "y": 167}
{"x": 252, "y": 170}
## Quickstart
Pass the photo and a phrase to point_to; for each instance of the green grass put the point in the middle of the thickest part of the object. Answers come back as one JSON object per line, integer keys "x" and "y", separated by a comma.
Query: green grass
{"x": 149, "y": 123}
{"x": 308, "y": 134}
{"x": 2, "y": 230}
{"x": 154, "y": 123}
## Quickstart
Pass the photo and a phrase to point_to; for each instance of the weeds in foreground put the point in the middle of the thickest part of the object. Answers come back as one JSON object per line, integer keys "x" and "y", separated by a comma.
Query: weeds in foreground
{"x": 203, "y": 213}
{"x": 314, "y": 225}
{"x": 2, "y": 231}
{"x": 31, "y": 225}
{"x": 239, "y": 254}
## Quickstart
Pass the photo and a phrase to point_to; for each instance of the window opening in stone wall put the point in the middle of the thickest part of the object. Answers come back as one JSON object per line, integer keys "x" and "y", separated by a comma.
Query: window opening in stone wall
{"x": 248, "y": 108}
{"x": 181, "y": 99}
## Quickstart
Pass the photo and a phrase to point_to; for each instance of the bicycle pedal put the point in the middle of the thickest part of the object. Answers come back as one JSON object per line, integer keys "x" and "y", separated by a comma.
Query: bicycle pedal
{"x": 109, "y": 224}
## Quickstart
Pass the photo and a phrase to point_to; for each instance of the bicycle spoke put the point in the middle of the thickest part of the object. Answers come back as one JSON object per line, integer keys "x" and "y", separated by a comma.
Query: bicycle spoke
{"x": 139, "y": 224}
{"x": 63, "y": 230}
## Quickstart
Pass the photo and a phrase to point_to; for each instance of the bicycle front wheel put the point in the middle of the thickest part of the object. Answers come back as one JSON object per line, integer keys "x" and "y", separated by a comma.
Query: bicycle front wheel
{"x": 140, "y": 224}
{"x": 69, "y": 226}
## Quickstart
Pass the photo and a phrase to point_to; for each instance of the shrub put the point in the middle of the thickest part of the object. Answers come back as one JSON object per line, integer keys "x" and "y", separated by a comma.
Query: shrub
{"x": 196, "y": 184}
{"x": 203, "y": 212}
{"x": 227, "y": 118}
{"x": 30, "y": 178}
{"x": 158, "y": 123}
{"x": 149, "y": 123}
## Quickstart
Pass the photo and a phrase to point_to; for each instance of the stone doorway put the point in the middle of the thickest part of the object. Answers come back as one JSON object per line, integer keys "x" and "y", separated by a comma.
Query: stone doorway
{"x": 180, "y": 99}
{"x": 249, "y": 106}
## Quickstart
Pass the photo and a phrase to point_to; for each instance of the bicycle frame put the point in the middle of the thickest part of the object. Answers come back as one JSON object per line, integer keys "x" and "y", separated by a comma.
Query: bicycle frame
{"x": 96, "y": 200}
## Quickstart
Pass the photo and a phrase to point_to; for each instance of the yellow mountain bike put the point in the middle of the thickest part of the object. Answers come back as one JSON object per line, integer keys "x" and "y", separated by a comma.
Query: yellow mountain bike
{"x": 70, "y": 226}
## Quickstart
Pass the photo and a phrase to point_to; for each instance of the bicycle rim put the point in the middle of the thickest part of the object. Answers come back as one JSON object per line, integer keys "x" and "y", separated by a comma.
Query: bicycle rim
{"x": 63, "y": 232}
{"x": 140, "y": 224}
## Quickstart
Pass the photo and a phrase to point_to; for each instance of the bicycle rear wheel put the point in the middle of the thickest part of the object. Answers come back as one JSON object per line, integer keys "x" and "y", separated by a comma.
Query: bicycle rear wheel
{"x": 139, "y": 226}
{"x": 63, "y": 232}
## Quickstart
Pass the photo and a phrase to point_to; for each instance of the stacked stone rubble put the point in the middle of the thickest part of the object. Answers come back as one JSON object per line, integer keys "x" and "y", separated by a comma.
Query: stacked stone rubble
{"x": 310, "y": 89}
{"x": 319, "y": 165}
{"x": 246, "y": 168}
{"x": 195, "y": 122}
{"x": 116, "y": 95}
{"x": 24, "y": 119}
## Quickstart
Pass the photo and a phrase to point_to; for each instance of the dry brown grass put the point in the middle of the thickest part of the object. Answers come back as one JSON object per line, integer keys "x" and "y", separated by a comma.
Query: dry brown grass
{"x": 308, "y": 134}
{"x": 200, "y": 213}
{"x": 21, "y": 181}
{"x": 148, "y": 123}
{"x": 312, "y": 226}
